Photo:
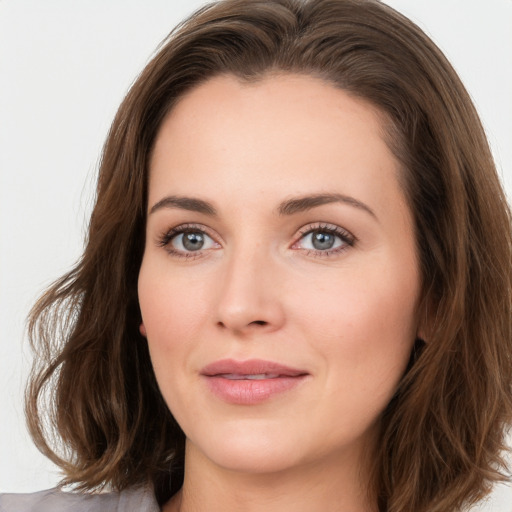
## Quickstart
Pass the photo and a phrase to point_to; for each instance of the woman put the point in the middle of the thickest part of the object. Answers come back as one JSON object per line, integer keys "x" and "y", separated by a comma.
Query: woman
{"x": 296, "y": 288}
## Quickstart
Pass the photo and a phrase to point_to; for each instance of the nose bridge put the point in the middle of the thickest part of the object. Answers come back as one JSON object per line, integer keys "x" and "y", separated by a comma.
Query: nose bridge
{"x": 249, "y": 295}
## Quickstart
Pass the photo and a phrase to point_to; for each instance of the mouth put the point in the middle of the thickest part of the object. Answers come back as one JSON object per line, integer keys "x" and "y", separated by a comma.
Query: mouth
{"x": 241, "y": 376}
{"x": 252, "y": 368}
{"x": 250, "y": 382}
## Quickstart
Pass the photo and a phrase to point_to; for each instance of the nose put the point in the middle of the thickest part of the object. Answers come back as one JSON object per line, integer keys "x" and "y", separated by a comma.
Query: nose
{"x": 250, "y": 298}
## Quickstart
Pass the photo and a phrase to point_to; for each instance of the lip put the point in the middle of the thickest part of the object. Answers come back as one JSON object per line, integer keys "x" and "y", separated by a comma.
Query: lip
{"x": 250, "y": 382}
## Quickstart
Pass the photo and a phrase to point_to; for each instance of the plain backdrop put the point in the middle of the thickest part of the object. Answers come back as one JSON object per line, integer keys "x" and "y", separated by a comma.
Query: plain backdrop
{"x": 64, "y": 68}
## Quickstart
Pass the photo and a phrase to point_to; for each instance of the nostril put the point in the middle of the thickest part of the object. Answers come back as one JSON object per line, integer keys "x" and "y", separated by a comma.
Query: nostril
{"x": 255, "y": 323}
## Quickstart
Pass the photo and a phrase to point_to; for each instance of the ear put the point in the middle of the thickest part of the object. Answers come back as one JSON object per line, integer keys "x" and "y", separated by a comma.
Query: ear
{"x": 421, "y": 335}
{"x": 424, "y": 327}
{"x": 142, "y": 330}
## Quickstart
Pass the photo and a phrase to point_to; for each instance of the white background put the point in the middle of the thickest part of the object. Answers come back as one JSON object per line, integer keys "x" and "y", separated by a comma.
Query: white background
{"x": 64, "y": 68}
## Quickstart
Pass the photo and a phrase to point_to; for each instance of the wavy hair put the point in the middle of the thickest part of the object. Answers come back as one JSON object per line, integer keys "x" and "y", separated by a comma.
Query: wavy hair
{"x": 93, "y": 404}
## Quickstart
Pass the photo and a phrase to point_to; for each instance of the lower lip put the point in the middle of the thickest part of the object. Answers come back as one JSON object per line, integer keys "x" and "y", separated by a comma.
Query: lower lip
{"x": 251, "y": 391}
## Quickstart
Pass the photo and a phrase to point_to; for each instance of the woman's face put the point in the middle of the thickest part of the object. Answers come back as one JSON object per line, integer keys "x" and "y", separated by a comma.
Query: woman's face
{"x": 280, "y": 280}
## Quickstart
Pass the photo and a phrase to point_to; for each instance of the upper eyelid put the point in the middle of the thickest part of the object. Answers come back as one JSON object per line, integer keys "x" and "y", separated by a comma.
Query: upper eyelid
{"x": 188, "y": 226}
{"x": 327, "y": 226}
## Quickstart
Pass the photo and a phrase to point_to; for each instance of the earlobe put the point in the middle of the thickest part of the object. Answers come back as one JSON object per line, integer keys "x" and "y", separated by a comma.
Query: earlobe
{"x": 142, "y": 330}
{"x": 421, "y": 336}
{"x": 425, "y": 322}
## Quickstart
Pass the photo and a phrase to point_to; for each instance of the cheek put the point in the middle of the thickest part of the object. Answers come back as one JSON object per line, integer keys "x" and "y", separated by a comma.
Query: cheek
{"x": 363, "y": 323}
{"x": 173, "y": 311}
{"x": 358, "y": 303}
{"x": 172, "y": 307}
{"x": 363, "y": 333}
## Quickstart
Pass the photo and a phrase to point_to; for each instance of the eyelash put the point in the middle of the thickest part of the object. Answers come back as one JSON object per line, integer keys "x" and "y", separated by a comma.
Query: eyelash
{"x": 166, "y": 238}
{"x": 348, "y": 240}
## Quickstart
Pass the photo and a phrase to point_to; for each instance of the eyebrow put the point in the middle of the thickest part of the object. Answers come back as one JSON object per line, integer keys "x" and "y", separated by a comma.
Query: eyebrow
{"x": 185, "y": 203}
{"x": 301, "y": 204}
{"x": 288, "y": 207}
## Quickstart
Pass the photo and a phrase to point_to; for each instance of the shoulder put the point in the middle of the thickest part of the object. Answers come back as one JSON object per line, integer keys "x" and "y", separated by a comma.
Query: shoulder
{"x": 139, "y": 499}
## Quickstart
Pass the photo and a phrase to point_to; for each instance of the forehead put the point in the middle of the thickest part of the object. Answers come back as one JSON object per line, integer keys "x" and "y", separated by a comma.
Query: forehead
{"x": 284, "y": 134}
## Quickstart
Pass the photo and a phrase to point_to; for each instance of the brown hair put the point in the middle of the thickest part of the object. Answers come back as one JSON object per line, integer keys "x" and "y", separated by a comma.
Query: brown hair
{"x": 442, "y": 435}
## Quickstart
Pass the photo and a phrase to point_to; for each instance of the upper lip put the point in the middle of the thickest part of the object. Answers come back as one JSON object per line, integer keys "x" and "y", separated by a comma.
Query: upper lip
{"x": 250, "y": 367}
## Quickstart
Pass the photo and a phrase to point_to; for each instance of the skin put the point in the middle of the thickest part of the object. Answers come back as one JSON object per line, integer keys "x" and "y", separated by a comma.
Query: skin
{"x": 259, "y": 288}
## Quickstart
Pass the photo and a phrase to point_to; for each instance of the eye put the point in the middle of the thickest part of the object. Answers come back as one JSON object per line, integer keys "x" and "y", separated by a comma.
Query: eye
{"x": 192, "y": 241}
{"x": 321, "y": 241}
{"x": 324, "y": 240}
{"x": 187, "y": 241}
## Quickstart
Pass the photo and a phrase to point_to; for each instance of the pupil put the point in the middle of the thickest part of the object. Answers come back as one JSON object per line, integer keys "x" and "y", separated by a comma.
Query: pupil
{"x": 193, "y": 241}
{"x": 322, "y": 240}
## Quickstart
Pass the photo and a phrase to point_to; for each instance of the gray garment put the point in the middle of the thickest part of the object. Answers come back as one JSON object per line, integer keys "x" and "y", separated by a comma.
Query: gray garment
{"x": 139, "y": 499}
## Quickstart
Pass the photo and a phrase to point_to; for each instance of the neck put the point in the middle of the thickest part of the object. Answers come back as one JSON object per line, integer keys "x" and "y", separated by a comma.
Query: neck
{"x": 337, "y": 483}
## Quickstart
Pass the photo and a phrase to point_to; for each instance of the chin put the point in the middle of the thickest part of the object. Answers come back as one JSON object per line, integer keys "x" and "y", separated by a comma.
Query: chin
{"x": 247, "y": 449}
